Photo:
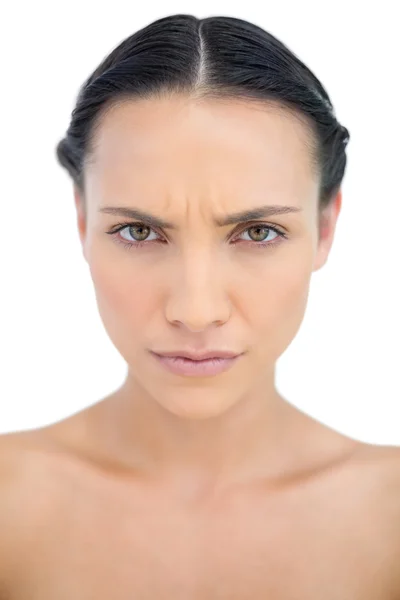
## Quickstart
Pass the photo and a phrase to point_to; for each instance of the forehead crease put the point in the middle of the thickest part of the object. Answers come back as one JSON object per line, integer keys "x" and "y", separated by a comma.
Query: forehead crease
{"x": 197, "y": 207}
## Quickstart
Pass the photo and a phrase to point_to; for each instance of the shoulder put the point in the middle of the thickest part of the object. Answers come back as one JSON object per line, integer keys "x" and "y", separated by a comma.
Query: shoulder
{"x": 19, "y": 463}
{"x": 379, "y": 469}
{"x": 24, "y": 500}
{"x": 381, "y": 461}
{"x": 13, "y": 497}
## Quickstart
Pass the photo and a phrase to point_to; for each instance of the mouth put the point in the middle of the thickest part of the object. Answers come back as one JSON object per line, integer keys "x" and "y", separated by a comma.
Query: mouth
{"x": 200, "y": 367}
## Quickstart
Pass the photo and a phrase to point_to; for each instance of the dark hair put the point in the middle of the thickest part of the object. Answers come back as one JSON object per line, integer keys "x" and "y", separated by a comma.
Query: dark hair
{"x": 211, "y": 57}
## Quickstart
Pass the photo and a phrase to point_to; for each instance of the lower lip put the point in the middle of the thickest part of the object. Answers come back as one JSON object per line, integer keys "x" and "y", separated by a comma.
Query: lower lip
{"x": 193, "y": 368}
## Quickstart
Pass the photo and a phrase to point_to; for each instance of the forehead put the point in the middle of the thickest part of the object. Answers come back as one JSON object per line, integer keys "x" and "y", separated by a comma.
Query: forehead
{"x": 202, "y": 147}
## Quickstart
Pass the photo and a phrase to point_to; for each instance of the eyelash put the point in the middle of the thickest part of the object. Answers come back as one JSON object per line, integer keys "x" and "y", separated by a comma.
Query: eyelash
{"x": 137, "y": 245}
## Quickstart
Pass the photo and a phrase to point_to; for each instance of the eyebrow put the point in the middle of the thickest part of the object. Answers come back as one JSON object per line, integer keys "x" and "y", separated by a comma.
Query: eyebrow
{"x": 238, "y": 217}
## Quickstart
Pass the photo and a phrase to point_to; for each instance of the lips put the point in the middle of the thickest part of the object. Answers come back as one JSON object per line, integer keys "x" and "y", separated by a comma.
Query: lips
{"x": 208, "y": 365}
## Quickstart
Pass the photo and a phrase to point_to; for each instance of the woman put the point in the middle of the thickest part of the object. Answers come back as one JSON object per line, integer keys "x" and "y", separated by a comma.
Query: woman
{"x": 207, "y": 164}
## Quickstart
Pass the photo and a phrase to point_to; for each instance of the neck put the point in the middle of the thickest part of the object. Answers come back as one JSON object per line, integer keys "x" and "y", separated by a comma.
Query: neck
{"x": 252, "y": 438}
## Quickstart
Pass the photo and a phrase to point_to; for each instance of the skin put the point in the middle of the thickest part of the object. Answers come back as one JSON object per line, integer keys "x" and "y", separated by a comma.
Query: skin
{"x": 222, "y": 469}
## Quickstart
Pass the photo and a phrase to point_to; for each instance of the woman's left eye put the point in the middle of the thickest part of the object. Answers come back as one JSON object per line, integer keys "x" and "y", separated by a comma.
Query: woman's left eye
{"x": 260, "y": 233}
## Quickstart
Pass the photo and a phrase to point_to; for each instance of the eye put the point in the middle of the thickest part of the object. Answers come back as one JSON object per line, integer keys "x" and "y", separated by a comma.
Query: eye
{"x": 259, "y": 234}
{"x": 139, "y": 232}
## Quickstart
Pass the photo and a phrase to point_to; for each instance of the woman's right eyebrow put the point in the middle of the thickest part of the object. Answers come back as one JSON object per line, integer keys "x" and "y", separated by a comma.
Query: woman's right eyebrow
{"x": 238, "y": 217}
{"x": 139, "y": 215}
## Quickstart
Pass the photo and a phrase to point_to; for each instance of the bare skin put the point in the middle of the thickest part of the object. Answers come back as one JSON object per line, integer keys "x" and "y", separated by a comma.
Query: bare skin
{"x": 199, "y": 488}
{"x": 76, "y": 526}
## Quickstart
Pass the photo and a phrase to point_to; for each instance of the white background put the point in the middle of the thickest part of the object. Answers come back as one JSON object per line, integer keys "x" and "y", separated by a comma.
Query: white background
{"x": 56, "y": 358}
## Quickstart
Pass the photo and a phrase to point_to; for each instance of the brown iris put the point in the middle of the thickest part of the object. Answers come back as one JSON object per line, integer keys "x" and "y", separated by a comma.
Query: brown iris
{"x": 143, "y": 232}
{"x": 260, "y": 232}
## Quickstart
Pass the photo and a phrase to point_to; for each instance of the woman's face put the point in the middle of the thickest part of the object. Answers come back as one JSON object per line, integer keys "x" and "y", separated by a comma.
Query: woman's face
{"x": 194, "y": 283}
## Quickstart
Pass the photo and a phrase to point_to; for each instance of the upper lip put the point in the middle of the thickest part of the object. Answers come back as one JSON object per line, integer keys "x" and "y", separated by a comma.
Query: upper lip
{"x": 193, "y": 355}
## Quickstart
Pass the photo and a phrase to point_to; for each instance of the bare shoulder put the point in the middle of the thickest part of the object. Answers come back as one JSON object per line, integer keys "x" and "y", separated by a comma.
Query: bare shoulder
{"x": 20, "y": 459}
{"x": 13, "y": 497}
{"x": 23, "y": 499}
{"x": 379, "y": 467}
{"x": 14, "y": 454}
{"x": 382, "y": 460}
{"x": 380, "y": 471}
{"x": 25, "y": 459}
{"x": 370, "y": 483}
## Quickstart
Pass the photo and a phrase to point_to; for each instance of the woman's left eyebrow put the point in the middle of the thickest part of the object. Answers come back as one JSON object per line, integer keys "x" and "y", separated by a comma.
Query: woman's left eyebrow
{"x": 256, "y": 213}
{"x": 238, "y": 217}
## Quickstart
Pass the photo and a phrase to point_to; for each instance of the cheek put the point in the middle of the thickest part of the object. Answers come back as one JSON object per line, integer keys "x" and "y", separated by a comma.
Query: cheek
{"x": 124, "y": 296}
{"x": 292, "y": 288}
{"x": 277, "y": 309}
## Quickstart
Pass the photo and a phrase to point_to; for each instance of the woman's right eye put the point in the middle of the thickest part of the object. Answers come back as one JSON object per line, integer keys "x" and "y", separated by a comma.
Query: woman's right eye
{"x": 140, "y": 232}
{"x": 137, "y": 234}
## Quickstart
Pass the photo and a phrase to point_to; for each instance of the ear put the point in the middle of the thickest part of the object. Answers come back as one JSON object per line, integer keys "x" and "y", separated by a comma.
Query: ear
{"x": 81, "y": 217}
{"x": 327, "y": 226}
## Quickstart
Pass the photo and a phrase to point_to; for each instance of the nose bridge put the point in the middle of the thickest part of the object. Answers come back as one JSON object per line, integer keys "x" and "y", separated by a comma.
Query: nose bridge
{"x": 198, "y": 297}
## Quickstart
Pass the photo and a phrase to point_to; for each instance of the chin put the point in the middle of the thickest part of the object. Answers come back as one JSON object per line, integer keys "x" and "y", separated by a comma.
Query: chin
{"x": 197, "y": 404}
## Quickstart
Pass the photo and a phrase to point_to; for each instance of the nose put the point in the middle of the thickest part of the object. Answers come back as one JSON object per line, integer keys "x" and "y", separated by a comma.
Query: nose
{"x": 198, "y": 298}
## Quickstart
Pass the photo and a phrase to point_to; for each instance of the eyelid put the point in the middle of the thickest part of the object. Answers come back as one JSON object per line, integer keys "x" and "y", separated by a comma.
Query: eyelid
{"x": 120, "y": 226}
{"x": 248, "y": 225}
